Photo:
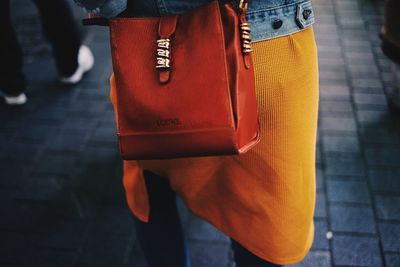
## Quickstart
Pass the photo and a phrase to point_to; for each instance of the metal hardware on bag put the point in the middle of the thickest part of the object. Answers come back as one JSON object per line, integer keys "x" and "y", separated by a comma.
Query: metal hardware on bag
{"x": 163, "y": 43}
{"x": 246, "y": 37}
{"x": 163, "y": 53}
{"x": 162, "y": 63}
{"x": 245, "y": 29}
{"x": 243, "y": 4}
{"x": 166, "y": 29}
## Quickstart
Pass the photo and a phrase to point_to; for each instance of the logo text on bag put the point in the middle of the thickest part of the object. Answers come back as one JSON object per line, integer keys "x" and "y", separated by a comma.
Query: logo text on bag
{"x": 168, "y": 122}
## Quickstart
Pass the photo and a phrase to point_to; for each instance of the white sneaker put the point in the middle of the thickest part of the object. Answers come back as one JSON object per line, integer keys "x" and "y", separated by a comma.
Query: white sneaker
{"x": 15, "y": 100}
{"x": 85, "y": 63}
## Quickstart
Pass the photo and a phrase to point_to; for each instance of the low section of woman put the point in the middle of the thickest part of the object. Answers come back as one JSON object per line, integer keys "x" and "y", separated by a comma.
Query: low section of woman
{"x": 264, "y": 199}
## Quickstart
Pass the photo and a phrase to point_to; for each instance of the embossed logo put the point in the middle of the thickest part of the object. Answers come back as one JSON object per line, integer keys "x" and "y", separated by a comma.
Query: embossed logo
{"x": 168, "y": 122}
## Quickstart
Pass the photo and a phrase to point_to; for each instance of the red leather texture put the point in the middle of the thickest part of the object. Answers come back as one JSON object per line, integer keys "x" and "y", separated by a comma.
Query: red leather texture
{"x": 206, "y": 106}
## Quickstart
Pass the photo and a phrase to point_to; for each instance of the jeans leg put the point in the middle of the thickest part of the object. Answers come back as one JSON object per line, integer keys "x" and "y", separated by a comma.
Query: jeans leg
{"x": 245, "y": 258}
{"x": 12, "y": 80}
{"x": 162, "y": 239}
{"x": 62, "y": 31}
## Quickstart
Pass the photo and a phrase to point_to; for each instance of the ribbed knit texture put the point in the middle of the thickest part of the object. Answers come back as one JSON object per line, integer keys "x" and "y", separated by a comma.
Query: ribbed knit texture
{"x": 265, "y": 198}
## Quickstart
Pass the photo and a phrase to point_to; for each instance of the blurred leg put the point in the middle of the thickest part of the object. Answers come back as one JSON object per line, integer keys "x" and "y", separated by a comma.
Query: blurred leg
{"x": 162, "y": 239}
{"x": 61, "y": 30}
{"x": 392, "y": 21}
{"x": 245, "y": 258}
{"x": 12, "y": 80}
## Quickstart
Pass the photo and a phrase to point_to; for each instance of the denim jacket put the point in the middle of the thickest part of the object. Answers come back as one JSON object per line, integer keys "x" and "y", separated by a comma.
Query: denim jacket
{"x": 269, "y": 18}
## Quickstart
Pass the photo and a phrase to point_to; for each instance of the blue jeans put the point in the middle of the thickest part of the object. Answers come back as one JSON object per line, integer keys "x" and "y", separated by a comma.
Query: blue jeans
{"x": 162, "y": 239}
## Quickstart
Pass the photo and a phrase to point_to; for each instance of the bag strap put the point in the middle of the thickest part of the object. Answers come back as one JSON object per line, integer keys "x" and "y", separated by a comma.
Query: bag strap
{"x": 244, "y": 6}
{"x": 245, "y": 32}
{"x": 166, "y": 28}
{"x": 95, "y": 21}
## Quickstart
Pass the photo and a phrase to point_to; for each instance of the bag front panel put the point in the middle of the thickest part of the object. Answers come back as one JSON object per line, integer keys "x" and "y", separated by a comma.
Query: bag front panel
{"x": 196, "y": 97}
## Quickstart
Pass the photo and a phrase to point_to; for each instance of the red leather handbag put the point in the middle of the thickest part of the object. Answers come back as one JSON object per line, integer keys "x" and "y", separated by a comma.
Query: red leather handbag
{"x": 183, "y": 85}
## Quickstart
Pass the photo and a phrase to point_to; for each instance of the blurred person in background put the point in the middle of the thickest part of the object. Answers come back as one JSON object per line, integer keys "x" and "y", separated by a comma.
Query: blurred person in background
{"x": 72, "y": 58}
{"x": 390, "y": 35}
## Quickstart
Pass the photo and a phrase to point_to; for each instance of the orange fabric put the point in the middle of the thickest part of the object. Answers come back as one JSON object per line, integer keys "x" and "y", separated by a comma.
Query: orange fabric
{"x": 265, "y": 198}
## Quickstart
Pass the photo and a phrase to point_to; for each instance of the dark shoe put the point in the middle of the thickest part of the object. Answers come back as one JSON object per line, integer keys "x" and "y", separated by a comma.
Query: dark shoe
{"x": 85, "y": 63}
{"x": 394, "y": 100}
{"x": 15, "y": 100}
{"x": 391, "y": 50}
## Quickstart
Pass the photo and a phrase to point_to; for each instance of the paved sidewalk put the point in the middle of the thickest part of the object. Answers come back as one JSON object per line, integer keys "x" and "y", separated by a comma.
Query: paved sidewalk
{"x": 61, "y": 197}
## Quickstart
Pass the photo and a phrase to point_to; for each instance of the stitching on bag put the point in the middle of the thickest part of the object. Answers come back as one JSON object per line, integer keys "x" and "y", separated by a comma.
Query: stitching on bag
{"x": 115, "y": 63}
{"x": 177, "y": 132}
{"x": 222, "y": 44}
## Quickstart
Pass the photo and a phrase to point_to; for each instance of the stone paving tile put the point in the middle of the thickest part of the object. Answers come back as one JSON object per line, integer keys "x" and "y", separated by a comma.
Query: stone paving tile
{"x": 385, "y": 180}
{"x": 198, "y": 230}
{"x": 320, "y": 240}
{"x": 12, "y": 244}
{"x": 61, "y": 234}
{"x": 320, "y": 208}
{"x": 392, "y": 260}
{"x": 316, "y": 259}
{"x": 371, "y": 99}
{"x": 373, "y": 118}
{"x": 390, "y": 235}
{"x": 209, "y": 254}
{"x": 352, "y": 219}
{"x": 334, "y": 91}
{"x": 42, "y": 188}
{"x": 339, "y": 124}
{"x": 348, "y": 191}
{"x": 12, "y": 175}
{"x": 345, "y": 164}
{"x": 320, "y": 179}
{"x": 112, "y": 248}
{"x": 388, "y": 207}
{"x": 379, "y": 136}
{"x": 52, "y": 257}
{"x": 356, "y": 251}
{"x": 340, "y": 144}
{"x": 327, "y": 107}
{"x": 383, "y": 156}
{"x": 366, "y": 82}
{"x": 55, "y": 163}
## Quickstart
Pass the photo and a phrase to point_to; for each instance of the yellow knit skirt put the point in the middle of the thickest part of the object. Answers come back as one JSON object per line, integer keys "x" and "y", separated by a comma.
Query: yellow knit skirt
{"x": 265, "y": 198}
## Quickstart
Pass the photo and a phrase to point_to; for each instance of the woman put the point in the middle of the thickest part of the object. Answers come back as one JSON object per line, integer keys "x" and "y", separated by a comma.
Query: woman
{"x": 264, "y": 200}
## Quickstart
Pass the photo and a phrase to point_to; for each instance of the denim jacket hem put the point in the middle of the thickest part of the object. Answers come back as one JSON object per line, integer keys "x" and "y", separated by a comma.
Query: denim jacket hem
{"x": 269, "y": 19}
